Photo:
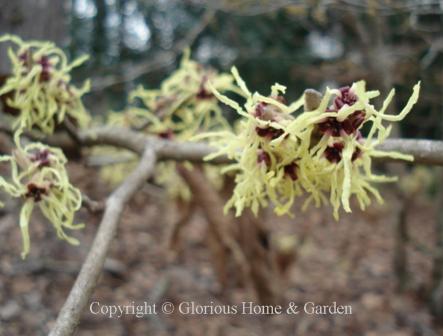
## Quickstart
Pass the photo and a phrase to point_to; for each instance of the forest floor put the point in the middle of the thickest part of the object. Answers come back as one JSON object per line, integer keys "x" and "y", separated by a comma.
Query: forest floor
{"x": 349, "y": 262}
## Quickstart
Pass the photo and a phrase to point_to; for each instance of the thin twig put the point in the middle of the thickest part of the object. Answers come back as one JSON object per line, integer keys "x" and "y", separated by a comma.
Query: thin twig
{"x": 86, "y": 281}
{"x": 91, "y": 205}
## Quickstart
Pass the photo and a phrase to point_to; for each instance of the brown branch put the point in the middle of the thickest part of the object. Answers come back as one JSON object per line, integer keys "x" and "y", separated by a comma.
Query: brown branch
{"x": 428, "y": 152}
{"x": 211, "y": 203}
{"x": 106, "y": 160}
{"x": 81, "y": 292}
{"x": 135, "y": 142}
{"x": 424, "y": 151}
{"x": 91, "y": 205}
{"x": 114, "y": 136}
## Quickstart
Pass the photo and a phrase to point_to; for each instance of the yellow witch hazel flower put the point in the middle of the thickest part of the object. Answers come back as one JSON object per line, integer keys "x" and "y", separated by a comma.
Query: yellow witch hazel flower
{"x": 39, "y": 86}
{"x": 182, "y": 107}
{"x": 39, "y": 177}
{"x": 320, "y": 153}
{"x": 265, "y": 170}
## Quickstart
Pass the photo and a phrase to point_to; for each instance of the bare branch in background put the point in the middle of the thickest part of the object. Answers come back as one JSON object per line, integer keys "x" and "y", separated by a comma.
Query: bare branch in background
{"x": 255, "y": 8}
{"x": 91, "y": 205}
{"x": 210, "y": 201}
{"x": 131, "y": 72}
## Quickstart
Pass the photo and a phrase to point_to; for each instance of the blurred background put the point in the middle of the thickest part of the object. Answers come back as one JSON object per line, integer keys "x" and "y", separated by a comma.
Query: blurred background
{"x": 387, "y": 262}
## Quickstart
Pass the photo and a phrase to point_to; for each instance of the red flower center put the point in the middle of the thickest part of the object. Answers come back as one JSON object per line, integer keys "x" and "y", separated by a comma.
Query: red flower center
{"x": 331, "y": 126}
{"x": 203, "y": 93}
{"x": 263, "y": 157}
{"x": 168, "y": 134}
{"x": 269, "y": 132}
{"x": 42, "y": 157}
{"x": 333, "y": 153}
{"x": 291, "y": 171}
{"x": 35, "y": 192}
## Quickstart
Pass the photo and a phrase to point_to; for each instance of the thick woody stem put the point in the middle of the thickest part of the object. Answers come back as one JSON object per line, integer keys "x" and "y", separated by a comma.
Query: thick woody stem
{"x": 424, "y": 151}
{"x": 428, "y": 152}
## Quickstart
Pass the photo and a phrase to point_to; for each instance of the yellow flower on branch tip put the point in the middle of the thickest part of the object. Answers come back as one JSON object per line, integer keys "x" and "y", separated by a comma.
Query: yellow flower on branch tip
{"x": 39, "y": 86}
{"x": 38, "y": 176}
{"x": 281, "y": 156}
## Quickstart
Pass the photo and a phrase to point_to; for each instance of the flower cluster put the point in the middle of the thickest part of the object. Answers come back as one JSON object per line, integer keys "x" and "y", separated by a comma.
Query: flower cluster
{"x": 39, "y": 86}
{"x": 39, "y": 89}
{"x": 38, "y": 176}
{"x": 182, "y": 107}
{"x": 319, "y": 153}
{"x": 184, "y": 104}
